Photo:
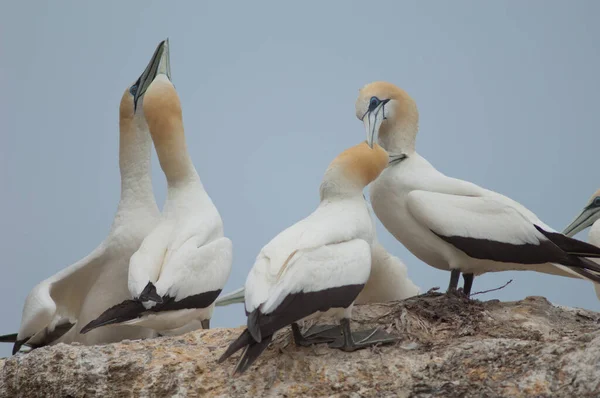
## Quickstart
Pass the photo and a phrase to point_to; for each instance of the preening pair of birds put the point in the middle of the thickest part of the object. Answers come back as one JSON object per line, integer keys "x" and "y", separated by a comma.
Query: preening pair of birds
{"x": 161, "y": 273}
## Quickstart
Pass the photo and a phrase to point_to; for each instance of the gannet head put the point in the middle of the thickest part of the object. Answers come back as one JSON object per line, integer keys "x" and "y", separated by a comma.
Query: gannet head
{"x": 390, "y": 116}
{"x": 352, "y": 170}
{"x": 162, "y": 107}
{"x": 588, "y": 216}
{"x": 130, "y": 100}
{"x": 160, "y": 64}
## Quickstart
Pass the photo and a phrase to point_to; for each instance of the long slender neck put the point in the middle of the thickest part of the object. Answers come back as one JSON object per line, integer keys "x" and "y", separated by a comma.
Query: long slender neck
{"x": 336, "y": 185}
{"x": 134, "y": 161}
{"x": 173, "y": 155}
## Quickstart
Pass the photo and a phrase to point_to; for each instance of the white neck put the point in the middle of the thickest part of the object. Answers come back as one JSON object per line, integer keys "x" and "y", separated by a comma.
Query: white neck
{"x": 594, "y": 234}
{"x": 399, "y": 137}
{"x": 135, "y": 165}
{"x": 336, "y": 185}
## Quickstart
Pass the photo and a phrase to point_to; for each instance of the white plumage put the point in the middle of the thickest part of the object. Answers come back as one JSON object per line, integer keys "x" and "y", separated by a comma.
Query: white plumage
{"x": 319, "y": 264}
{"x": 452, "y": 224}
{"x": 57, "y": 308}
{"x": 388, "y": 280}
{"x": 182, "y": 265}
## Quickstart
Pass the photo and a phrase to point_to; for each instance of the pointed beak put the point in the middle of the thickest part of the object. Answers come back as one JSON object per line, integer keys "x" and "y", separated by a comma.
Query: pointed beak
{"x": 372, "y": 121}
{"x": 237, "y": 296}
{"x": 585, "y": 219}
{"x": 159, "y": 64}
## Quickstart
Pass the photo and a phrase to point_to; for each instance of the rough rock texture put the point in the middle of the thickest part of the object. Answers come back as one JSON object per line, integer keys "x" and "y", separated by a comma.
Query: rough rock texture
{"x": 449, "y": 347}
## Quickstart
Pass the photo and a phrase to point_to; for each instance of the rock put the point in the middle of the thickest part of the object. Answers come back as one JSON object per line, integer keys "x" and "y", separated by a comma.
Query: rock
{"x": 449, "y": 347}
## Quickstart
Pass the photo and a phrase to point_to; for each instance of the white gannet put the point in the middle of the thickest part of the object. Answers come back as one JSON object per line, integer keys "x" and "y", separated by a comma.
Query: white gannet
{"x": 388, "y": 280}
{"x": 83, "y": 290}
{"x": 589, "y": 216}
{"x": 319, "y": 264}
{"x": 183, "y": 264}
{"x": 452, "y": 224}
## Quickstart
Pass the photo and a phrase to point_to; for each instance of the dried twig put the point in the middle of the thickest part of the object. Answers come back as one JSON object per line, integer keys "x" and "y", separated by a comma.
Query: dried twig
{"x": 492, "y": 290}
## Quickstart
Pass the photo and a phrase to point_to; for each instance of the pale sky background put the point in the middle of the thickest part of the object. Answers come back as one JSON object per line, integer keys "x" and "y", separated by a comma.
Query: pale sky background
{"x": 507, "y": 92}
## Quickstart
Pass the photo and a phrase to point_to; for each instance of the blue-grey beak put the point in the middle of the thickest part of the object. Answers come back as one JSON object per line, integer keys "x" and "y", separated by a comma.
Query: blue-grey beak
{"x": 588, "y": 216}
{"x": 160, "y": 63}
{"x": 372, "y": 121}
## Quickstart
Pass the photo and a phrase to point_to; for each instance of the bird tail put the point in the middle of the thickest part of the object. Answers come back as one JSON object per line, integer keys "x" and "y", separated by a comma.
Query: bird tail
{"x": 8, "y": 338}
{"x": 122, "y": 312}
{"x": 18, "y": 344}
{"x": 237, "y": 296}
{"x": 251, "y": 353}
{"x": 242, "y": 341}
{"x": 149, "y": 294}
{"x": 588, "y": 269}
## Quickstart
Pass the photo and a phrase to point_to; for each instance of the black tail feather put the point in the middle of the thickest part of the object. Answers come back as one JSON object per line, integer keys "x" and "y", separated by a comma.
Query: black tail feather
{"x": 571, "y": 246}
{"x": 590, "y": 265}
{"x": 254, "y": 325}
{"x": 242, "y": 341}
{"x": 125, "y": 311}
{"x": 589, "y": 270}
{"x": 18, "y": 344}
{"x": 8, "y": 338}
{"x": 251, "y": 353}
{"x": 149, "y": 294}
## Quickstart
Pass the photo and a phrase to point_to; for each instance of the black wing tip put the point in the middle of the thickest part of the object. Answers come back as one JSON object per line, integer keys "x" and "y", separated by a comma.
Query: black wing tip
{"x": 242, "y": 341}
{"x": 18, "y": 344}
{"x": 251, "y": 354}
{"x": 8, "y": 338}
{"x": 253, "y": 325}
{"x": 572, "y": 246}
{"x": 124, "y": 311}
{"x": 149, "y": 294}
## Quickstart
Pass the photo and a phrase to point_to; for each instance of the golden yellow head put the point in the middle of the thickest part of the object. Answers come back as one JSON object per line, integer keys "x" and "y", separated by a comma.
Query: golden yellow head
{"x": 162, "y": 108}
{"x": 360, "y": 164}
{"x": 389, "y": 114}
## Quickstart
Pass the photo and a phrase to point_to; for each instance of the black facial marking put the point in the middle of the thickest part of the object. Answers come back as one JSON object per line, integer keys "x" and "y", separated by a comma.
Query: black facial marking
{"x": 373, "y": 103}
{"x": 133, "y": 89}
{"x": 395, "y": 159}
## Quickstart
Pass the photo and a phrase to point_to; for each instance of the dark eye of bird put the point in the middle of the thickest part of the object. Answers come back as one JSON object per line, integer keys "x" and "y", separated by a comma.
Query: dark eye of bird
{"x": 373, "y": 103}
{"x": 133, "y": 89}
{"x": 597, "y": 201}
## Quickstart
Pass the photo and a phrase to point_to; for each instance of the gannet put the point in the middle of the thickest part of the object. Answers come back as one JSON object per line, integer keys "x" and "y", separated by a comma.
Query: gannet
{"x": 589, "y": 216}
{"x": 319, "y": 264}
{"x": 80, "y": 292}
{"x": 183, "y": 264}
{"x": 388, "y": 280}
{"x": 452, "y": 224}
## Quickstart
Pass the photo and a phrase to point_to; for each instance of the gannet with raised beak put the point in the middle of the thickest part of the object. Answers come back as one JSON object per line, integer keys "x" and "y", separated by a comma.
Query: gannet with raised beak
{"x": 319, "y": 264}
{"x": 452, "y": 224}
{"x": 80, "y": 292}
{"x": 183, "y": 264}
{"x": 588, "y": 217}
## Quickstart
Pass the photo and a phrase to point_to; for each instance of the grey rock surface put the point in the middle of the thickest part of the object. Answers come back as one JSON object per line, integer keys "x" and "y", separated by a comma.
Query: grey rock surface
{"x": 449, "y": 347}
